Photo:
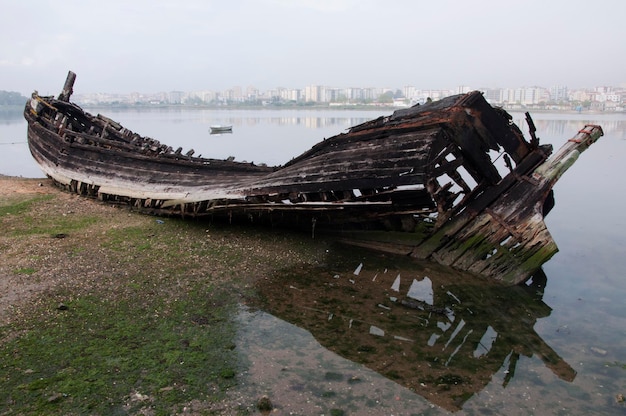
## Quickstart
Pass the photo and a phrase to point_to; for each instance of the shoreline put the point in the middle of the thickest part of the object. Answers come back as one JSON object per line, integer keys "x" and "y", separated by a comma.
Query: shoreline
{"x": 319, "y": 107}
{"x": 79, "y": 275}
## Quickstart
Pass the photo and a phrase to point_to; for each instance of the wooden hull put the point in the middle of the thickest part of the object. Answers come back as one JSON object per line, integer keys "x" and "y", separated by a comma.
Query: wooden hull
{"x": 419, "y": 182}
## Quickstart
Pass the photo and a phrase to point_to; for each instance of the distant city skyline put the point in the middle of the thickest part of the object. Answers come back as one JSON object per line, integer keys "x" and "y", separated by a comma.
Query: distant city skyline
{"x": 600, "y": 97}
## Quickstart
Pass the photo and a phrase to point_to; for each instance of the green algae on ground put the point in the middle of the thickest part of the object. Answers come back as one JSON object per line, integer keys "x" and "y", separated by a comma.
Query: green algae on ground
{"x": 100, "y": 356}
{"x": 51, "y": 225}
{"x": 19, "y": 204}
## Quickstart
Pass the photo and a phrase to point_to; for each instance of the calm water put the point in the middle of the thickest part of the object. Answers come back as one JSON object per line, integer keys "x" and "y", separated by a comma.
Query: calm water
{"x": 477, "y": 351}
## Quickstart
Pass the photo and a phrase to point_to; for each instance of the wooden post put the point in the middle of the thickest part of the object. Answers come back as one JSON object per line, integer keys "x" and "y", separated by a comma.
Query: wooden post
{"x": 68, "y": 88}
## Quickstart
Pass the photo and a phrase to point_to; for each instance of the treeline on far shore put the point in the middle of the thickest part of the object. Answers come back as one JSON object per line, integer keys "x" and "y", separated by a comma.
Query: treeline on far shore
{"x": 11, "y": 104}
{"x": 10, "y": 99}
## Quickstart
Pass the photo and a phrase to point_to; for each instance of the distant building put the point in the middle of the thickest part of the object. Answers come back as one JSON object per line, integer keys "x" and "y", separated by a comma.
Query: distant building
{"x": 493, "y": 96}
{"x": 558, "y": 93}
{"x": 312, "y": 93}
{"x": 175, "y": 97}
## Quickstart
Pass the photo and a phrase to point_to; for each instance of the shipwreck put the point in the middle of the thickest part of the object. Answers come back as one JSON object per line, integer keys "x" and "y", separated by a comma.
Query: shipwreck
{"x": 424, "y": 181}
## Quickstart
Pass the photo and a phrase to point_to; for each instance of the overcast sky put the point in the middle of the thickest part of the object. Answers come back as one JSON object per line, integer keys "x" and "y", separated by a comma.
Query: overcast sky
{"x": 159, "y": 45}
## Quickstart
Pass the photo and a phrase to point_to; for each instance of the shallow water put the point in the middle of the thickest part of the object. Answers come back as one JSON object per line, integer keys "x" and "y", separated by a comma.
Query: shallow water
{"x": 327, "y": 338}
{"x": 516, "y": 353}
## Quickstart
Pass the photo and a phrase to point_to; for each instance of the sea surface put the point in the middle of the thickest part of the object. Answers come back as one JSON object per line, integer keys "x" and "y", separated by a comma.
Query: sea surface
{"x": 555, "y": 347}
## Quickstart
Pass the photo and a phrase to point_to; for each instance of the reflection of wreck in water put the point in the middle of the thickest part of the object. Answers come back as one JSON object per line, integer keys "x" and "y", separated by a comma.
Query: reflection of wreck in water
{"x": 436, "y": 331}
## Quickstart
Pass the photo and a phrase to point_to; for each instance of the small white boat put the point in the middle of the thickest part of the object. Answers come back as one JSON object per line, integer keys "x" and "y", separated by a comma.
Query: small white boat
{"x": 221, "y": 129}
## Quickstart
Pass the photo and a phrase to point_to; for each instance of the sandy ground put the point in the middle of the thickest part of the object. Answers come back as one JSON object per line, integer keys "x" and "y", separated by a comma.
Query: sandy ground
{"x": 9, "y": 186}
{"x": 15, "y": 288}
{"x": 31, "y": 264}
